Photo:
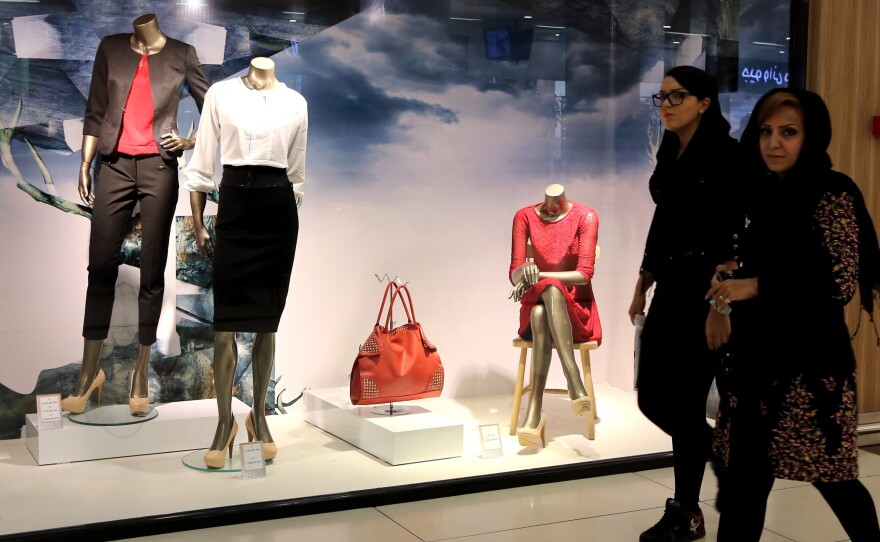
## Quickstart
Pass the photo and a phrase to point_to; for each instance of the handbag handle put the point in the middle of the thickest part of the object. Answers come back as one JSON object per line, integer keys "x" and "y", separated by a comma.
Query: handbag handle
{"x": 384, "y": 299}
{"x": 410, "y": 315}
{"x": 410, "y": 311}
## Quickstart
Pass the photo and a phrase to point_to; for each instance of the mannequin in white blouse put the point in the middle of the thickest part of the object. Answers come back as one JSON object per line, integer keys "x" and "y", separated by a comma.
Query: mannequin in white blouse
{"x": 260, "y": 76}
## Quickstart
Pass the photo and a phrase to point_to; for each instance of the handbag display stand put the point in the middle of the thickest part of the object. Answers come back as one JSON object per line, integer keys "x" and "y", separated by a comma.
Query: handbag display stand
{"x": 184, "y": 425}
{"x": 421, "y": 435}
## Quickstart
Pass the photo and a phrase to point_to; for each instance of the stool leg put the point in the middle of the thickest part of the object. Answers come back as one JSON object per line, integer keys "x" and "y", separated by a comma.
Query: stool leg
{"x": 518, "y": 390}
{"x": 588, "y": 383}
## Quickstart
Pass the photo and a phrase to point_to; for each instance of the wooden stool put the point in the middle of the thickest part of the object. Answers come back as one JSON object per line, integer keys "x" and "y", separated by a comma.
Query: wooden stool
{"x": 519, "y": 389}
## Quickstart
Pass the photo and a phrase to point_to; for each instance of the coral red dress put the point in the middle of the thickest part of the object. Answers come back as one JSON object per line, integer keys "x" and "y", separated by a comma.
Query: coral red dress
{"x": 566, "y": 245}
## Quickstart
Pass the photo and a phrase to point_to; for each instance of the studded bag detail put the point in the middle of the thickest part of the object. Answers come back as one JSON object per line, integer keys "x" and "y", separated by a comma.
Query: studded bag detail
{"x": 396, "y": 364}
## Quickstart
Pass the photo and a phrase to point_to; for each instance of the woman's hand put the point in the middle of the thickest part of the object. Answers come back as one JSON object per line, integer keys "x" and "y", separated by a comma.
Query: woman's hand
{"x": 637, "y": 306}
{"x": 732, "y": 290}
{"x": 717, "y": 329}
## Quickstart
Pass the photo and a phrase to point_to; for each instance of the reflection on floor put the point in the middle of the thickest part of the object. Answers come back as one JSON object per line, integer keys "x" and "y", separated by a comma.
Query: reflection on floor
{"x": 609, "y": 509}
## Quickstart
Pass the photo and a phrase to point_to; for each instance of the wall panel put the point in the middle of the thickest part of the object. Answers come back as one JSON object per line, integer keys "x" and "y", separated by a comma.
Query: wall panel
{"x": 844, "y": 67}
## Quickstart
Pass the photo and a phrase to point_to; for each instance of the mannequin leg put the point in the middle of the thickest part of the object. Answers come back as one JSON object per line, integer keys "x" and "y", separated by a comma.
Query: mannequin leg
{"x": 225, "y": 360}
{"x": 139, "y": 393}
{"x": 91, "y": 377}
{"x": 541, "y": 353}
{"x": 560, "y": 330}
{"x": 262, "y": 357}
{"x": 90, "y": 365}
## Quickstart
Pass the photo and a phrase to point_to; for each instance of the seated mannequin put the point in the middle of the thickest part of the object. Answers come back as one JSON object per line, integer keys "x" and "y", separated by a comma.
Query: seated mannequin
{"x": 555, "y": 291}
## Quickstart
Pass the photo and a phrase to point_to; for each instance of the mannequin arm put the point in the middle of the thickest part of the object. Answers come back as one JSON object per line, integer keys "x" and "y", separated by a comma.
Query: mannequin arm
{"x": 566, "y": 277}
{"x": 89, "y": 150}
{"x": 203, "y": 238}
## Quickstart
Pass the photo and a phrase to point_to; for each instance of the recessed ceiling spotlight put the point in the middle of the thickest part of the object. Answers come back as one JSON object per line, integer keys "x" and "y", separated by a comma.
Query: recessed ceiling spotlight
{"x": 676, "y": 42}
{"x": 667, "y": 26}
{"x": 527, "y": 16}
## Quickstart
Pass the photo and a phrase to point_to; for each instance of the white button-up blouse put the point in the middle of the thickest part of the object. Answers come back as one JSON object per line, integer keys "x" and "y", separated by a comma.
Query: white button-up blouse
{"x": 252, "y": 128}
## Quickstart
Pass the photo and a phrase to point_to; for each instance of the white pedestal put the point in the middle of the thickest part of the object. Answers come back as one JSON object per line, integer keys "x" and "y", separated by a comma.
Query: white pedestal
{"x": 408, "y": 438}
{"x": 186, "y": 425}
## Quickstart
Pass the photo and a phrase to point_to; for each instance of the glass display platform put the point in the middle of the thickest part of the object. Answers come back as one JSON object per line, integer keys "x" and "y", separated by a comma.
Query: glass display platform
{"x": 196, "y": 460}
{"x": 111, "y": 415}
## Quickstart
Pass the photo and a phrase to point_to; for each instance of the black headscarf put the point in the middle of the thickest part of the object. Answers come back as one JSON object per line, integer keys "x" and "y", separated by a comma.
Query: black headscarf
{"x": 713, "y": 126}
{"x": 813, "y": 165}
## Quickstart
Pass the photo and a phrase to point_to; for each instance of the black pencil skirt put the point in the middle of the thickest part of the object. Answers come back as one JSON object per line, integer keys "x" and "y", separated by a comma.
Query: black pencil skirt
{"x": 256, "y": 232}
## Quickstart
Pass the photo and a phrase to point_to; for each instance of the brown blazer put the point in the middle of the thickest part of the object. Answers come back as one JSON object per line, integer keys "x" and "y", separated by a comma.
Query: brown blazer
{"x": 115, "y": 65}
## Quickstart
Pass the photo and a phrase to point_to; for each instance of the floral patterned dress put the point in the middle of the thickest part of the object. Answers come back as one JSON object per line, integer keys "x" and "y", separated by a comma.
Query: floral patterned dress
{"x": 787, "y": 383}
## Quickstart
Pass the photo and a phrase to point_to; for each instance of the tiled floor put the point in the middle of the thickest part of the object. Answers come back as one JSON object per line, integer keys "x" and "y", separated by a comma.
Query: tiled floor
{"x": 610, "y": 508}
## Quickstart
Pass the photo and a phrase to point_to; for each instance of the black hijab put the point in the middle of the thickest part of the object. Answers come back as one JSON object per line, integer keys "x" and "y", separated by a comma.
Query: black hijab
{"x": 812, "y": 166}
{"x": 712, "y": 129}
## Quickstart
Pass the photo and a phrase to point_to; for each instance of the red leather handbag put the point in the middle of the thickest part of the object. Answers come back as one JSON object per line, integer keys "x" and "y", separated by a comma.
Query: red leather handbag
{"x": 397, "y": 364}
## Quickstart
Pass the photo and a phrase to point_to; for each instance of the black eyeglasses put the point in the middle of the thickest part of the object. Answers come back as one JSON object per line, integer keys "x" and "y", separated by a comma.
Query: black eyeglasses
{"x": 674, "y": 98}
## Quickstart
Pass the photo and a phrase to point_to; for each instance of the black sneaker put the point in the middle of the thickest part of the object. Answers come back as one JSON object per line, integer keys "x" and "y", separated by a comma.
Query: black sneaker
{"x": 676, "y": 525}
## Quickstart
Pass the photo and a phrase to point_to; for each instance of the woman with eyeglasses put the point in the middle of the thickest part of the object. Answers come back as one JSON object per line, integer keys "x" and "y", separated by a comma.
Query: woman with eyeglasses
{"x": 788, "y": 403}
{"x": 696, "y": 224}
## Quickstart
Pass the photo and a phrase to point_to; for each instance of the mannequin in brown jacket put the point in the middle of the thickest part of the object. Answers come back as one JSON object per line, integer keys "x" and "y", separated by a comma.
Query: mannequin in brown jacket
{"x": 131, "y": 121}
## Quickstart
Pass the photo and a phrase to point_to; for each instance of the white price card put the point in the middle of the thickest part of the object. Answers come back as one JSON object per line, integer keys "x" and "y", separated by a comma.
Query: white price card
{"x": 49, "y": 412}
{"x": 490, "y": 438}
{"x": 252, "y": 464}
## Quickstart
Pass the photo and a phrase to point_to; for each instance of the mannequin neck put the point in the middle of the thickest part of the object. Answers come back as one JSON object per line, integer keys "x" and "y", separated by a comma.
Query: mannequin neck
{"x": 261, "y": 75}
{"x": 555, "y": 205}
{"x": 147, "y": 38}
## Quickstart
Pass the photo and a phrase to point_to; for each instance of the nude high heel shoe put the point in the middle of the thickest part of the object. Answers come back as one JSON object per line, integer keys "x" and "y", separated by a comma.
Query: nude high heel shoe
{"x": 77, "y": 404}
{"x": 581, "y": 405}
{"x": 270, "y": 449}
{"x": 531, "y": 437}
{"x": 137, "y": 406}
{"x": 216, "y": 459}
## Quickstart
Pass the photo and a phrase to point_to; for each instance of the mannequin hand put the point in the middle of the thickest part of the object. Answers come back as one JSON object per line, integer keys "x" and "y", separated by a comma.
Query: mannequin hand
{"x": 203, "y": 239}
{"x": 518, "y": 291}
{"x": 637, "y": 307}
{"x": 717, "y": 329}
{"x": 530, "y": 274}
{"x": 173, "y": 141}
{"x": 85, "y": 184}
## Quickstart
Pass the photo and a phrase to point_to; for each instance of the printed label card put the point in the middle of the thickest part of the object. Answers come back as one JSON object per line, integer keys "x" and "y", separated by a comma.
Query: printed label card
{"x": 252, "y": 464}
{"x": 49, "y": 412}
{"x": 490, "y": 438}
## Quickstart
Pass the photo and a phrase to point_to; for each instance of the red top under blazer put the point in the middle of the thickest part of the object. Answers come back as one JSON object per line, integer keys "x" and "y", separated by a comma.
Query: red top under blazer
{"x": 115, "y": 65}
